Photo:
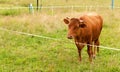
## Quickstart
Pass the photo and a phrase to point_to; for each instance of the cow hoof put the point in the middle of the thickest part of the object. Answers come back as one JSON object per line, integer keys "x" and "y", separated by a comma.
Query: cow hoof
{"x": 79, "y": 60}
{"x": 92, "y": 62}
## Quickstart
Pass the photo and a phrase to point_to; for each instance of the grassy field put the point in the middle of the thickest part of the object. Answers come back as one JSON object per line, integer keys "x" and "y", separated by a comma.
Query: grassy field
{"x": 22, "y": 53}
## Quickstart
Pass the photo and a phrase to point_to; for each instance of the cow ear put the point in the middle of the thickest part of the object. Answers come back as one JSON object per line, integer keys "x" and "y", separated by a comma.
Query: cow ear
{"x": 82, "y": 24}
{"x": 66, "y": 20}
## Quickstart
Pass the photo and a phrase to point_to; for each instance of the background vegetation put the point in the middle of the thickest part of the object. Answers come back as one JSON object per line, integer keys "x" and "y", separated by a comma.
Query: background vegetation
{"x": 22, "y": 53}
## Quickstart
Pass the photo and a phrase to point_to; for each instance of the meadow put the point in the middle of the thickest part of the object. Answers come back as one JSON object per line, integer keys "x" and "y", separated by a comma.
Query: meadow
{"x": 23, "y": 53}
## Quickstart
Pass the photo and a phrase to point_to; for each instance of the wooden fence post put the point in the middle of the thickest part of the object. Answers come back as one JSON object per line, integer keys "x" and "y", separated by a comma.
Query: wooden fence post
{"x": 37, "y": 4}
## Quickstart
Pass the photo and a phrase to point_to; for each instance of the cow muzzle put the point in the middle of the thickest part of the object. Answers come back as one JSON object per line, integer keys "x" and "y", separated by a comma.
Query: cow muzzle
{"x": 69, "y": 37}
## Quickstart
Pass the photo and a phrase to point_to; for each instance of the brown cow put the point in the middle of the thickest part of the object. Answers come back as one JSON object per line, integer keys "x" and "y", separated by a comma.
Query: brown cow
{"x": 85, "y": 30}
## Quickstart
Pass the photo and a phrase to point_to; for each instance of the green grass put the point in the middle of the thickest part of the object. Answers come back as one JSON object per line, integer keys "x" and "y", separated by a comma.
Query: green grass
{"x": 21, "y": 3}
{"x": 22, "y": 53}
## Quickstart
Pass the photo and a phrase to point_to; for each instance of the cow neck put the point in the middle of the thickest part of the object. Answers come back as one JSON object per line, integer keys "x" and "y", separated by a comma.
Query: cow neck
{"x": 79, "y": 39}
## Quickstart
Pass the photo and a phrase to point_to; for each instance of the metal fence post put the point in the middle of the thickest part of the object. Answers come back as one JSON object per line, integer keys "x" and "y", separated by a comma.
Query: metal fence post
{"x": 112, "y": 5}
{"x": 31, "y": 8}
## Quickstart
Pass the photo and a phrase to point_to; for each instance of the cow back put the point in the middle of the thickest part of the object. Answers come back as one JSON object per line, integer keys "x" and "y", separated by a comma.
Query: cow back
{"x": 94, "y": 23}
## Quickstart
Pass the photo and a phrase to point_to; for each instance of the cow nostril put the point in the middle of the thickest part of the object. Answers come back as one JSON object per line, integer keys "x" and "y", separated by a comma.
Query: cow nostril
{"x": 69, "y": 37}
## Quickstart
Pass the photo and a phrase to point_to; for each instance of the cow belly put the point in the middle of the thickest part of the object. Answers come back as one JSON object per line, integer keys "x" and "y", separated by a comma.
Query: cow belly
{"x": 95, "y": 34}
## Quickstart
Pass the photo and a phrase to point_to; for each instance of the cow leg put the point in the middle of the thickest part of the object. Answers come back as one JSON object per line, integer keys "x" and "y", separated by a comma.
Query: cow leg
{"x": 79, "y": 52}
{"x": 96, "y": 48}
{"x": 94, "y": 51}
{"x": 79, "y": 46}
{"x": 90, "y": 51}
{"x": 97, "y": 45}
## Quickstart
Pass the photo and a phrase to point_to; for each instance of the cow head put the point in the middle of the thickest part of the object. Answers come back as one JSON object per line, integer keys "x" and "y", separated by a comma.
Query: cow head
{"x": 74, "y": 26}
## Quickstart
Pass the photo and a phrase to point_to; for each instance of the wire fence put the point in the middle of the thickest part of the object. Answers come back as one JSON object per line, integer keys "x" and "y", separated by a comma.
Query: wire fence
{"x": 45, "y": 37}
{"x": 53, "y": 9}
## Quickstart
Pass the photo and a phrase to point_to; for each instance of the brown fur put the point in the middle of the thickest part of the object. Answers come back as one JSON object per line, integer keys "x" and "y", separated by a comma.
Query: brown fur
{"x": 85, "y": 29}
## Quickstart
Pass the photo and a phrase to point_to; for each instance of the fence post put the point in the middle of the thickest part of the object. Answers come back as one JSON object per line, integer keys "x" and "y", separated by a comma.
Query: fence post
{"x": 31, "y": 8}
{"x": 37, "y": 4}
{"x": 112, "y": 4}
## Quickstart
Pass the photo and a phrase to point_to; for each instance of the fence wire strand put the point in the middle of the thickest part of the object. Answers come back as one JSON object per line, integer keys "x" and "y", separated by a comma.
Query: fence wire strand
{"x": 72, "y": 6}
{"x": 50, "y": 38}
